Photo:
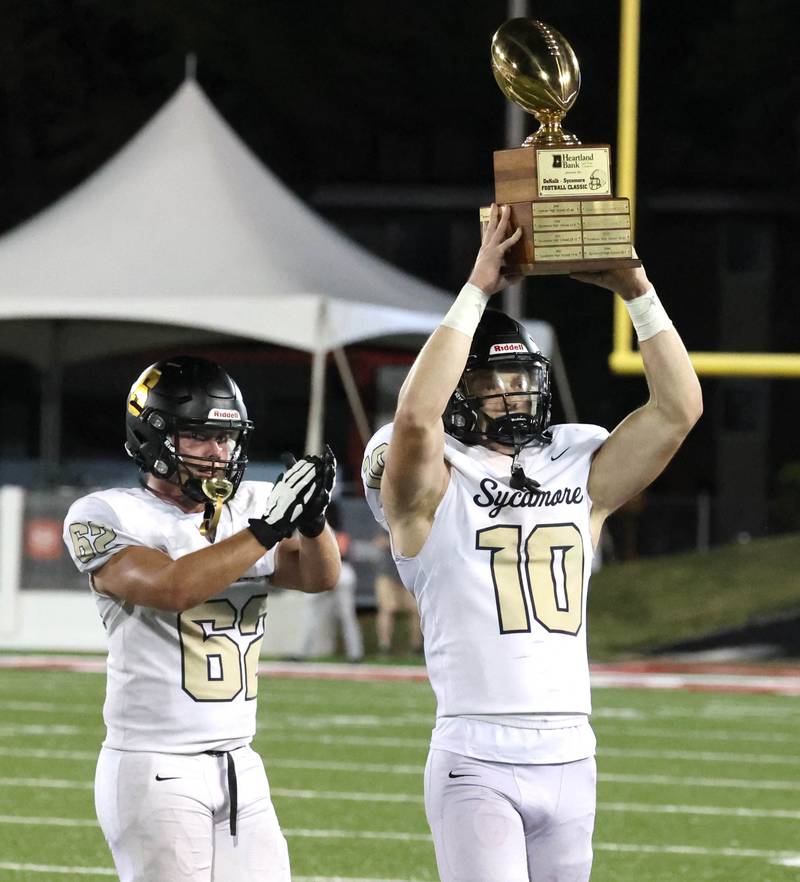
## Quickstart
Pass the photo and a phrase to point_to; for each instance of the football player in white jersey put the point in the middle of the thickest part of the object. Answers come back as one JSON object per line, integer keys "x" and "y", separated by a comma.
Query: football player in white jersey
{"x": 494, "y": 516}
{"x": 179, "y": 568}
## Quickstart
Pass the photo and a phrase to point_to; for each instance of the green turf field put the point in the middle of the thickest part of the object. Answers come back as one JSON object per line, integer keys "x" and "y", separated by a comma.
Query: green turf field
{"x": 703, "y": 787}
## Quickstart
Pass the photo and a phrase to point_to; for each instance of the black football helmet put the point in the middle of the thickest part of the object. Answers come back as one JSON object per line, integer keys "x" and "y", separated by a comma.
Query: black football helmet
{"x": 187, "y": 396}
{"x": 504, "y": 392}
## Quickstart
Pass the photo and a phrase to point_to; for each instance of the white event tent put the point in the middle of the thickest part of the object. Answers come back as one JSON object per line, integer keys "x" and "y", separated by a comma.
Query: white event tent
{"x": 185, "y": 236}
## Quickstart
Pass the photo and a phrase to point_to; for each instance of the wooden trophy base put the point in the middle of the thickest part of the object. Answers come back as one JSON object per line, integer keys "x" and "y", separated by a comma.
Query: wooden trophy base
{"x": 561, "y": 199}
{"x": 567, "y": 267}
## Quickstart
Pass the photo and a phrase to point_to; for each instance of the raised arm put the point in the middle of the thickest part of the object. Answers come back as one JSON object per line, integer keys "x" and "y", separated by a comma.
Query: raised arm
{"x": 416, "y": 476}
{"x": 640, "y": 447}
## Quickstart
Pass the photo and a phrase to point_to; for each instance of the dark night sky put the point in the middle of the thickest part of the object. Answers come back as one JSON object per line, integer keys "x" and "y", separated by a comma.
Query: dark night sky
{"x": 400, "y": 96}
{"x": 385, "y": 92}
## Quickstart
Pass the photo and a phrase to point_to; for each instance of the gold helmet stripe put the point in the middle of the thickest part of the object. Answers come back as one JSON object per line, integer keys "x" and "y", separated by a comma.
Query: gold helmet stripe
{"x": 141, "y": 388}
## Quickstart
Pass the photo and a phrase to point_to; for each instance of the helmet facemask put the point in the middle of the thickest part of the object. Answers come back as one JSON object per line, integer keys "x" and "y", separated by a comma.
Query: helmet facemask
{"x": 204, "y": 478}
{"x": 503, "y": 396}
{"x": 508, "y": 400}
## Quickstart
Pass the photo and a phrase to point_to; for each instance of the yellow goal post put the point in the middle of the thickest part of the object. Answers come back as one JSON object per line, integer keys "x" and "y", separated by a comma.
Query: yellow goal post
{"x": 624, "y": 359}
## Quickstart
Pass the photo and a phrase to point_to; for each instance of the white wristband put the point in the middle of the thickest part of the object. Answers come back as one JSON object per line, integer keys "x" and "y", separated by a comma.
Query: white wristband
{"x": 467, "y": 309}
{"x": 648, "y": 315}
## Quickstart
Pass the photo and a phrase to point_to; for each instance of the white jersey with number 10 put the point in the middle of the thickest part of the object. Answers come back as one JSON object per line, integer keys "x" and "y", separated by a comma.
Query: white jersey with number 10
{"x": 502, "y": 579}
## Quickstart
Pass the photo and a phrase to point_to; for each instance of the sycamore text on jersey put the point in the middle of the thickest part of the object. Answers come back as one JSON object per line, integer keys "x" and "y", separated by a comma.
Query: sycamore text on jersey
{"x": 496, "y": 499}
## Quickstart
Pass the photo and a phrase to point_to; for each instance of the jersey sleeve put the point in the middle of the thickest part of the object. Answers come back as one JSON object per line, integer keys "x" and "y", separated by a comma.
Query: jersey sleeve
{"x": 372, "y": 472}
{"x": 580, "y": 439}
{"x": 591, "y": 438}
{"x": 94, "y": 533}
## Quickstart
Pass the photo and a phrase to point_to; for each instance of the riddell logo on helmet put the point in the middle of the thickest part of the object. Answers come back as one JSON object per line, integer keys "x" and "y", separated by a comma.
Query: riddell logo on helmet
{"x": 498, "y": 348}
{"x": 217, "y": 414}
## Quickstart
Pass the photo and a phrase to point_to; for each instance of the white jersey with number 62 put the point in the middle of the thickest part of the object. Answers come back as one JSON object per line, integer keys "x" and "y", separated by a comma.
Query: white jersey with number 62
{"x": 177, "y": 682}
{"x": 502, "y": 580}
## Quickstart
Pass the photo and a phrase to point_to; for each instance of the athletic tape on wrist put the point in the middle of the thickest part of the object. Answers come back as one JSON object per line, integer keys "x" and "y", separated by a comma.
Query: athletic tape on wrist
{"x": 648, "y": 315}
{"x": 467, "y": 309}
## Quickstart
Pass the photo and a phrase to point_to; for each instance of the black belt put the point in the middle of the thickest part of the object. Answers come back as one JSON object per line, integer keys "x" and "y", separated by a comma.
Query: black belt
{"x": 233, "y": 793}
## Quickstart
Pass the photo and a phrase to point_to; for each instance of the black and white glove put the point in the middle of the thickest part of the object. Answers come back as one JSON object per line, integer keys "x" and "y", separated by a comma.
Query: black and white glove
{"x": 291, "y": 493}
{"x": 312, "y": 520}
{"x": 298, "y": 499}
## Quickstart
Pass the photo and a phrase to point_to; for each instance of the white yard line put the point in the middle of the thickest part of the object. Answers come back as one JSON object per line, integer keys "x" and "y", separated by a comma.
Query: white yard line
{"x": 36, "y": 753}
{"x": 698, "y": 735}
{"x": 47, "y": 783}
{"x": 416, "y": 771}
{"x": 109, "y": 871}
{"x": 714, "y": 810}
{"x": 784, "y": 714}
{"x": 697, "y": 851}
{"x": 47, "y": 822}
{"x": 700, "y": 851}
{"x": 608, "y": 777}
{"x": 363, "y": 796}
{"x": 346, "y": 796}
{"x": 40, "y": 729}
{"x": 781, "y": 685}
{"x": 733, "y": 710}
{"x": 688, "y": 781}
{"x": 345, "y": 879}
{"x": 51, "y": 868}
{"x": 389, "y": 835}
{"x": 629, "y": 807}
{"x": 787, "y": 858}
{"x": 49, "y": 707}
{"x": 708, "y": 756}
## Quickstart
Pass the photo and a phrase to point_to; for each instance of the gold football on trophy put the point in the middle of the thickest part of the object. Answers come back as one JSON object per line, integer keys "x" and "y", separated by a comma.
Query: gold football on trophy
{"x": 536, "y": 68}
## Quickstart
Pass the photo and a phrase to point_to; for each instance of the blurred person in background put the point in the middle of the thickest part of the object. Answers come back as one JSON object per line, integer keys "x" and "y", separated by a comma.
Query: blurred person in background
{"x": 337, "y": 606}
{"x": 392, "y": 601}
{"x": 179, "y": 568}
{"x": 494, "y": 516}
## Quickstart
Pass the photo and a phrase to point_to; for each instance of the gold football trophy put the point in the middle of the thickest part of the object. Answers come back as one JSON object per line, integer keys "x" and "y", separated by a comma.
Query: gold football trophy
{"x": 558, "y": 189}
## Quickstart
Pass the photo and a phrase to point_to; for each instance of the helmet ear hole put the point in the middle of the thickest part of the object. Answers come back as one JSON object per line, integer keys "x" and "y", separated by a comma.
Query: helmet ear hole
{"x": 459, "y": 418}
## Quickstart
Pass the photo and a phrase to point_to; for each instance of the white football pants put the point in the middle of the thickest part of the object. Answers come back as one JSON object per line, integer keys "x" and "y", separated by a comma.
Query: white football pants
{"x": 166, "y": 818}
{"x": 499, "y": 822}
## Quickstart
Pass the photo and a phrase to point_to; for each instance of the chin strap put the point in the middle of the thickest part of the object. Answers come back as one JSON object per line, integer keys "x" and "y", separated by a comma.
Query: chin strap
{"x": 519, "y": 480}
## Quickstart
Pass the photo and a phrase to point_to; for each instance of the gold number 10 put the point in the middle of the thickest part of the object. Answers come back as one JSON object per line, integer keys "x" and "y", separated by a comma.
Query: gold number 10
{"x": 553, "y": 565}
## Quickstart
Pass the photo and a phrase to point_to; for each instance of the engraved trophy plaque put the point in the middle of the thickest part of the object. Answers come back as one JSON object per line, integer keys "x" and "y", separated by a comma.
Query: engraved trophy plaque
{"x": 558, "y": 189}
